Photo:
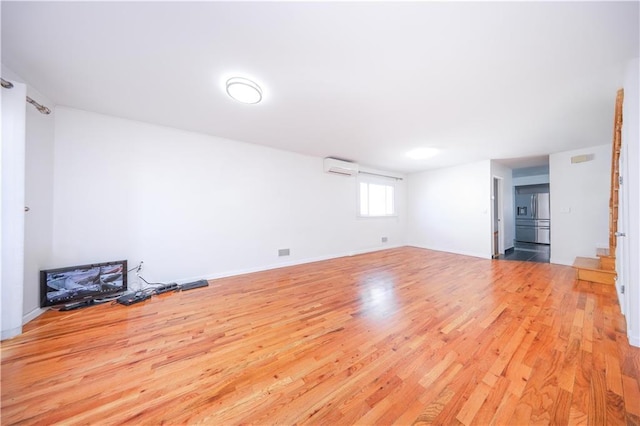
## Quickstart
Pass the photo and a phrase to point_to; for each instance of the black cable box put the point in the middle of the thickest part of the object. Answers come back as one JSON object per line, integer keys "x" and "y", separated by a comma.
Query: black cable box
{"x": 77, "y": 305}
{"x": 165, "y": 288}
{"x": 195, "y": 284}
{"x": 131, "y": 298}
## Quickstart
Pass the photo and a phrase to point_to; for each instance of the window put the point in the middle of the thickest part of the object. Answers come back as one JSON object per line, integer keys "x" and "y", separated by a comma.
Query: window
{"x": 376, "y": 199}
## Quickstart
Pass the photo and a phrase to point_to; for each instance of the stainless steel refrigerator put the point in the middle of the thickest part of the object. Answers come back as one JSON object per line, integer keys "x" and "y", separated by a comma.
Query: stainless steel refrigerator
{"x": 533, "y": 222}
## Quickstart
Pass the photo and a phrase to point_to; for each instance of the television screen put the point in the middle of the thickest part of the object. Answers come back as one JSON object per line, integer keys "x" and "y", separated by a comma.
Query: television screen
{"x": 80, "y": 283}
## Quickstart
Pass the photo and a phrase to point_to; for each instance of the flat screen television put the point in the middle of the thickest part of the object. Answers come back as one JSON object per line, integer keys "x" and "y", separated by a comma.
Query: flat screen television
{"x": 75, "y": 285}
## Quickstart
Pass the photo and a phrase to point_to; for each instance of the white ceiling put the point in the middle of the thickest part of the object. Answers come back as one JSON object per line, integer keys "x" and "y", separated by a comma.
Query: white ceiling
{"x": 359, "y": 81}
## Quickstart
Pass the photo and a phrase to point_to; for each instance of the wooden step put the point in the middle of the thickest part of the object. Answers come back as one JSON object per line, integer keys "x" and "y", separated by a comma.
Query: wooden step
{"x": 607, "y": 261}
{"x": 590, "y": 269}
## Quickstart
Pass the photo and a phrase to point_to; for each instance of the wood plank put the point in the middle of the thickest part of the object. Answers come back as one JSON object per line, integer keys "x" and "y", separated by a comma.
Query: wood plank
{"x": 597, "y": 414}
{"x": 590, "y": 269}
{"x": 631, "y": 395}
{"x": 616, "y": 147}
{"x": 400, "y": 336}
{"x": 608, "y": 263}
{"x": 587, "y": 263}
{"x": 473, "y": 404}
{"x": 601, "y": 277}
{"x": 560, "y": 412}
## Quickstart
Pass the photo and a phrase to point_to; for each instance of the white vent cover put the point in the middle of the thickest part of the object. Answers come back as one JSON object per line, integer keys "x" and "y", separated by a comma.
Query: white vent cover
{"x": 340, "y": 167}
{"x": 581, "y": 158}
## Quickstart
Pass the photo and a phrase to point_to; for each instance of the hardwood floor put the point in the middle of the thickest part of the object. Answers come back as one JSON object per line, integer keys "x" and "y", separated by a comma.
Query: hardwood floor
{"x": 402, "y": 336}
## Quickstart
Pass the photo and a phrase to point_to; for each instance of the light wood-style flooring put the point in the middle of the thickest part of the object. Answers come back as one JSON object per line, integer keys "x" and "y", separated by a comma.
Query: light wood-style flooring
{"x": 402, "y": 336}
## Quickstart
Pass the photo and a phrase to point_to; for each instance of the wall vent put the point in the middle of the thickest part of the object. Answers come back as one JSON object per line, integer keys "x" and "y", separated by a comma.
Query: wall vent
{"x": 283, "y": 252}
{"x": 581, "y": 158}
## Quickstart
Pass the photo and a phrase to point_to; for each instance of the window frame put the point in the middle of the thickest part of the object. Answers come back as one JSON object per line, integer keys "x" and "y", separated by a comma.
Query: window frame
{"x": 380, "y": 181}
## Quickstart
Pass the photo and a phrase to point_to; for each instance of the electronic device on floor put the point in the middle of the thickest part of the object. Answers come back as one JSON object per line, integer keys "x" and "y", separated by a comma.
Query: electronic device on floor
{"x": 195, "y": 284}
{"x": 164, "y": 288}
{"x": 131, "y": 298}
{"x": 74, "y": 287}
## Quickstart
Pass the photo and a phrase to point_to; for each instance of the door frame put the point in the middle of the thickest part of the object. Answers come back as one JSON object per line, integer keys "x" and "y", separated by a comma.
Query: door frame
{"x": 497, "y": 215}
{"x": 622, "y": 246}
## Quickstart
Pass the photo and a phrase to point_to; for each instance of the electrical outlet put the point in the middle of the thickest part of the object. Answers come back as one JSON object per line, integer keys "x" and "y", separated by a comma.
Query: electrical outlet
{"x": 384, "y": 239}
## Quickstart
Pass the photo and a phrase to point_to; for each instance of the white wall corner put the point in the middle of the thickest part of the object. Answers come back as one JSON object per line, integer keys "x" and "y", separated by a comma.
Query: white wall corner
{"x": 9, "y": 333}
{"x": 12, "y": 168}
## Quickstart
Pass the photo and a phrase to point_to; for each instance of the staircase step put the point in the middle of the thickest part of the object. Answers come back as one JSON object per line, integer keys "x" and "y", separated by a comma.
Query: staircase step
{"x": 607, "y": 261}
{"x": 588, "y": 263}
{"x": 590, "y": 269}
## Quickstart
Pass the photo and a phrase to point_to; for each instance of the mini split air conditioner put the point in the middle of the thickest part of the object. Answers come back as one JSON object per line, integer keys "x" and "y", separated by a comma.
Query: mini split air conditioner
{"x": 340, "y": 167}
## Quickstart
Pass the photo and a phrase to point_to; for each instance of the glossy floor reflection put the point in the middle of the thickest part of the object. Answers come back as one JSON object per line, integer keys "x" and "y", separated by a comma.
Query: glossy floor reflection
{"x": 528, "y": 252}
{"x": 458, "y": 340}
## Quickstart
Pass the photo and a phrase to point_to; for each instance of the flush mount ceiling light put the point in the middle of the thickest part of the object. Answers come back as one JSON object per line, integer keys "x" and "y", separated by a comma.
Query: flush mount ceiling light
{"x": 422, "y": 153}
{"x": 244, "y": 90}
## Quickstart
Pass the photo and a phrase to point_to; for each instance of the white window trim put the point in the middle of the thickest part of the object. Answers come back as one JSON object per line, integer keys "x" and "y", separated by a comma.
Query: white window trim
{"x": 377, "y": 180}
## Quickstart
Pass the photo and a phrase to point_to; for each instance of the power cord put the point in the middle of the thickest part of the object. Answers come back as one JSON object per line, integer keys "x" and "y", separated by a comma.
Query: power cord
{"x": 149, "y": 289}
{"x": 159, "y": 288}
{"x": 137, "y": 268}
{"x": 150, "y": 284}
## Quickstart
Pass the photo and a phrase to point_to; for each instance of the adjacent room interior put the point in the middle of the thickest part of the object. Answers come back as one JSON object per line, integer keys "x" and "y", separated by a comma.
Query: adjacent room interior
{"x": 320, "y": 213}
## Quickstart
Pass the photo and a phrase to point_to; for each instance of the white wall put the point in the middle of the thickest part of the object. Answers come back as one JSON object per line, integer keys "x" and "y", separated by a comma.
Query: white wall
{"x": 530, "y": 180}
{"x": 631, "y": 138}
{"x": 39, "y": 199}
{"x": 38, "y": 181}
{"x": 504, "y": 172}
{"x": 579, "y": 203}
{"x": 38, "y": 196}
{"x": 450, "y": 209}
{"x": 195, "y": 206}
{"x": 12, "y": 212}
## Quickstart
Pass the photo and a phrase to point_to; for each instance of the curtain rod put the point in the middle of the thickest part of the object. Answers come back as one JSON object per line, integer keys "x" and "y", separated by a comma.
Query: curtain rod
{"x": 379, "y": 174}
{"x": 43, "y": 109}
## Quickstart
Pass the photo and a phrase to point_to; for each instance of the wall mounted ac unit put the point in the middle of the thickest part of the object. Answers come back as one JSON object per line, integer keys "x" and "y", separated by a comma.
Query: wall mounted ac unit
{"x": 340, "y": 167}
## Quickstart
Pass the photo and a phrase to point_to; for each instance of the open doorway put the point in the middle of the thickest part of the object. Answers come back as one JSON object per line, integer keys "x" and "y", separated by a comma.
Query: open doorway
{"x": 513, "y": 238}
{"x": 531, "y": 196}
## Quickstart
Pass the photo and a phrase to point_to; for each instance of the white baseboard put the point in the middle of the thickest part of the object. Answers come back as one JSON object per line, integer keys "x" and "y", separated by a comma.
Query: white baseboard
{"x": 33, "y": 314}
{"x": 556, "y": 261}
{"x": 460, "y": 252}
{"x": 8, "y": 334}
{"x": 244, "y": 271}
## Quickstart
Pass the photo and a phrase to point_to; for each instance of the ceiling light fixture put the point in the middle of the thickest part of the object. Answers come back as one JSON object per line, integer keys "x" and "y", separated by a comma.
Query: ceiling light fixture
{"x": 244, "y": 90}
{"x": 422, "y": 153}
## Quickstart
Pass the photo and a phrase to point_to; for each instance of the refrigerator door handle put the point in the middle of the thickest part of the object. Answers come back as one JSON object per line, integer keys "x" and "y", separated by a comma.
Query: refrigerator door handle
{"x": 533, "y": 216}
